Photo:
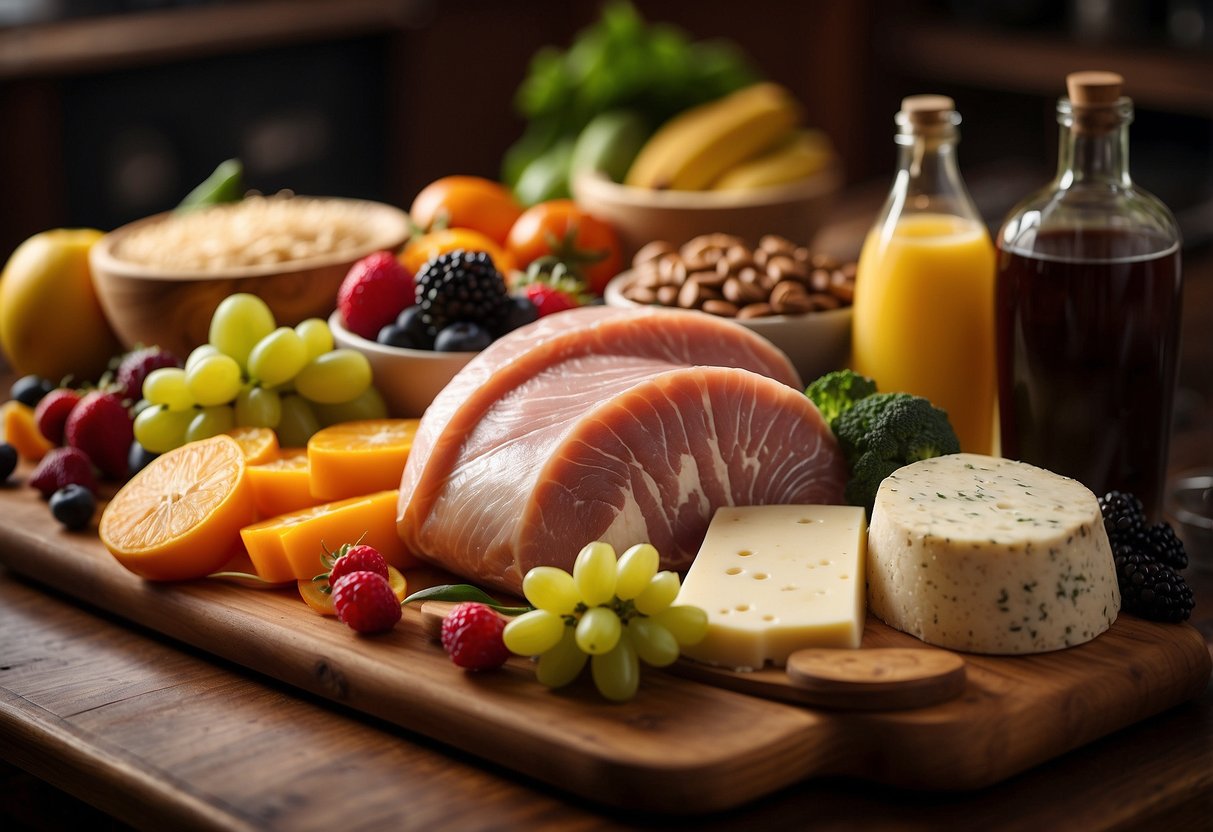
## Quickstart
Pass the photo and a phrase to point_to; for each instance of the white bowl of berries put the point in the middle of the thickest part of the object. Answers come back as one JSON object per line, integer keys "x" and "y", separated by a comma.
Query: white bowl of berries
{"x": 417, "y": 334}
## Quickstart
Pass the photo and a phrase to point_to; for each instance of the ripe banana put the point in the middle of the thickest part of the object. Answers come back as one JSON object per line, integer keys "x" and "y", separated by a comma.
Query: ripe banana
{"x": 799, "y": 157}
{"x": 694, "y": 148}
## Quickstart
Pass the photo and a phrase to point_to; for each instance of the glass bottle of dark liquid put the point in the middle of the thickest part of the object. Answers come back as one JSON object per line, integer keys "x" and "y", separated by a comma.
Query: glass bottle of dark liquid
{"x": 1087, "y": 309}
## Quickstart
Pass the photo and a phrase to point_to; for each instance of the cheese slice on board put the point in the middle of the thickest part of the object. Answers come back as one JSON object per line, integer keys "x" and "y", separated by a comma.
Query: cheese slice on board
{"x": 775, "y": 579}
{"x": 990, "y": 555}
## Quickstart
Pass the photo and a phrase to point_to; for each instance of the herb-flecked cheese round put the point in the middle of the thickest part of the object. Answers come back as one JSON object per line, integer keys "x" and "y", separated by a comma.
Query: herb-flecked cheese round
{"x": 990, "y": 555}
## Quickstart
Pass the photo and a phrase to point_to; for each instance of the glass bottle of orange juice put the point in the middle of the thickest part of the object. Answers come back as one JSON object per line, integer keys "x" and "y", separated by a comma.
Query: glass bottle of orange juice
{"x": 924, "y": 291}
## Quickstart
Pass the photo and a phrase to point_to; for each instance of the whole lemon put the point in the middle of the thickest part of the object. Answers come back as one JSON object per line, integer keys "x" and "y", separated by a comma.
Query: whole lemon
{"x": 51, "y": 322}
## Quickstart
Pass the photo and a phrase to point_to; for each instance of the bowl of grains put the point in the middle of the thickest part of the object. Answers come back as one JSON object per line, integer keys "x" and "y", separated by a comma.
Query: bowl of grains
{"x": 797, "y": 300}
{"x": 159, "y": 279}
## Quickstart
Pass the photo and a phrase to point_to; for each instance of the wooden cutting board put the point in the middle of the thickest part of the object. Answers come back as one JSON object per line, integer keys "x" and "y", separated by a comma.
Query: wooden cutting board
{"x": 681, "y": 745}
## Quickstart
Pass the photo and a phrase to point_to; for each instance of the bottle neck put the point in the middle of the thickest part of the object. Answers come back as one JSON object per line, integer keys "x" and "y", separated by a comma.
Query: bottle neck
{"x": 1086, "y": 158}
{"x": 928, "y": 178}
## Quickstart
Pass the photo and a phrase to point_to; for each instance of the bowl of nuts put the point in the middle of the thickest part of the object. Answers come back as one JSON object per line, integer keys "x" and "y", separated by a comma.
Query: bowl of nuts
{"x": 797, "y": 300}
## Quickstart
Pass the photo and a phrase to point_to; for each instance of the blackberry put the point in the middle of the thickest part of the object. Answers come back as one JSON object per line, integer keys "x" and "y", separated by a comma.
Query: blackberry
{"x": 1151, "y": 589}
{"x": 461, "y": 286}
{"x": 1166, "y": 546}
{"x": 1123, "y": 515}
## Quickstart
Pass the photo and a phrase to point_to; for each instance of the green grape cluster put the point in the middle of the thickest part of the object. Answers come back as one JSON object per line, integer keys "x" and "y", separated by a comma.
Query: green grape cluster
{"x": 612, "y": 613}
{"x": 255, "y": 373}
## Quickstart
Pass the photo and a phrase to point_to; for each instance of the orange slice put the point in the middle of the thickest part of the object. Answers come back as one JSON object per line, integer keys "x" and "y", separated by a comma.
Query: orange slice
{"x": 289, "y": 547}
{"x": 320, "y": 598}
{"x": 180, "y": 516}
{"x": 280, "y": 484}
{"x": 21, "y": 431}
{"x": 259, "y": 444}
{"x": 359, "y": 457}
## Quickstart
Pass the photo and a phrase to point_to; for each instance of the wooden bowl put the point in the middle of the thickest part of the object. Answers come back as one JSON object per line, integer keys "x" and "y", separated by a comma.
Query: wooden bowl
{"x": 640, "y": 215}
{"x": 172, "y": 308}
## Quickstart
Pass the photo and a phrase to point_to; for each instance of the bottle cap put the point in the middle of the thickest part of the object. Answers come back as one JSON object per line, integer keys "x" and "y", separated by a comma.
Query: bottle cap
{"x": 928, "y": 114}
{"x": 1093, "y": 88}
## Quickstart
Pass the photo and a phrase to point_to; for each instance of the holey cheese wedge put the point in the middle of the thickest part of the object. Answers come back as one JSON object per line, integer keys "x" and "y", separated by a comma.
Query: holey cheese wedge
{"x": 990, "y": 555}
{"x": 775, "y": 579}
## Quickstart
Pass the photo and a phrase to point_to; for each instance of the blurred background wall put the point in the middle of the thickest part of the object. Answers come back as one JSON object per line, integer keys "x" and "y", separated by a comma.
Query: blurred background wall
{"x": 111, "y": 110}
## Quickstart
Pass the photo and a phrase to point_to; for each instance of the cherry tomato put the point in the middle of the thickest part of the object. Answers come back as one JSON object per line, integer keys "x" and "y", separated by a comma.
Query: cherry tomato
{"x": 581, "y": 240}
{"x": 467, "y": 202}
{"x": 420, "y": 250}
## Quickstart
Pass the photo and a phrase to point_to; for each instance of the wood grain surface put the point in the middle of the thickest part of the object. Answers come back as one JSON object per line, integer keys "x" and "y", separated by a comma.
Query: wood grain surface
{"x": 680, "y": 745}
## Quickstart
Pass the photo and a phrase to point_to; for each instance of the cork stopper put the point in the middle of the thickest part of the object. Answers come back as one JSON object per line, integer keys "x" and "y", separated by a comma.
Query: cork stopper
{"x": 1094, "y": 98}
{"x": 931, "y": 115}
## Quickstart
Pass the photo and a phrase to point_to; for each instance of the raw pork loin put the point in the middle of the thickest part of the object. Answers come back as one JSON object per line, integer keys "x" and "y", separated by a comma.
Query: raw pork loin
{"x": 606, "y": 424}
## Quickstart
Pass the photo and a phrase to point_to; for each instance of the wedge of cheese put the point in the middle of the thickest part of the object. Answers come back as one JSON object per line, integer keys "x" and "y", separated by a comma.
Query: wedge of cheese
{"x": 990, "y": 555}
{"x": 775, "y": 579}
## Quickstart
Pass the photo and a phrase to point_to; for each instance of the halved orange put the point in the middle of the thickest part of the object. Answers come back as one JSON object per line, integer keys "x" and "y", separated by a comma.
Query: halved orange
{"x": 289, "y": 547}
{"x": 354, "y": 458}
{"x": 259, "y": 444}
{"x": 281, "y": 484}
{"x": 180, "y": 516}
{"x": 317, "y": 596}
{"x": 21, "y": 431}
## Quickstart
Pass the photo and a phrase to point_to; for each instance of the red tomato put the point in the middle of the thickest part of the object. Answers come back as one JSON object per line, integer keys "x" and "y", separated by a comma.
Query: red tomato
{"x": 562, "y": 229}
{"x": 467, "y": 202}
{"x": 427, "y": 246}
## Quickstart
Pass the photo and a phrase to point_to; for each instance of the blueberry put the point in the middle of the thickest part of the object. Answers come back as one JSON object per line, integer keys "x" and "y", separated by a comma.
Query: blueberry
{"x": 8, "y": 460}
{"x": 29, "y": 390}
{"x": 73, "y": 506}
{"x": 520, "y": 313}
{"x": 138, "y": 458}
{"x": 462, "y": 336}
{"x": 409, "y": 320}
{"x": 395, "y": 336}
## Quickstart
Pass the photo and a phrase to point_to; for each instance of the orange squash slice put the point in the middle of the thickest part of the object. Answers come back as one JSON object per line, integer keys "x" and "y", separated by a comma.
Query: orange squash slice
{"x": 280, "y": 484}
{"x": 354, "y": 458}
{"x": 21, "y": 431}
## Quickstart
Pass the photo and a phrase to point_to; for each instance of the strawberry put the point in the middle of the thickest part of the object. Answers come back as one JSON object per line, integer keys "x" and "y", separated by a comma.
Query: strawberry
{"x": 61, "y": 467}
{"x": 364, "y": 601}
{"x": 101, "y": 427}
{"x": 471, "y": 636}
{"x": 547, "y": 299}
{"x": 134, "y": 367}
{"x": 52, "y": 412}
{"x": 376, "y": 290}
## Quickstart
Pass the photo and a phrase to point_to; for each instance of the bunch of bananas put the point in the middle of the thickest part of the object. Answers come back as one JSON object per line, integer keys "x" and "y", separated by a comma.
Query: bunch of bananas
{"x": 751, "y": 138}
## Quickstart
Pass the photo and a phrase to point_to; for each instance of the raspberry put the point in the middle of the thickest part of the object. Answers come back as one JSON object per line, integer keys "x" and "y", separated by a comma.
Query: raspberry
{"x": 52, "y": 412}
{"x": 101, "y": 427}
{"x": 135, "y": 366}
{"x": 461, "y": 286}
{"x": 471, "y": 636}
{"x": 373, "y": 293}
{"x": 364, "y": 602}
{"x": 360, "y": 558}
{"x": 62, "y": 467}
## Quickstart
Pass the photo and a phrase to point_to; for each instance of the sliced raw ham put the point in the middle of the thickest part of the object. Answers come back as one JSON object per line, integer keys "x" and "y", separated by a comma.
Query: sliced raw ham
{"x": 613, "y": 425}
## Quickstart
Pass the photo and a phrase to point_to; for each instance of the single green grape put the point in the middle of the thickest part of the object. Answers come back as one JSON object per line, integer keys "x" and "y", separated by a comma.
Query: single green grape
{"x": 167, "y": 386}
{"x": 239, "y": 322}
{"x": 594, "y": 573}
{"x": 334, "y": 377}
{"x": 159, "y": 429}
{"x": 297, "y": 423}
{"x": 659, "y": 594}
{"x": 367, "y": 405}
{"x": 561, "y": 664}
{"x": 533, "y": 633}
{"x": 213, "y": 380}
{"x": 598, "y": 630}
{"x": 210, "y": 421}
{"x": 655, "y": 645}
{"x": 199, "y": 353}
{"x": 687, "y": 624}
{"x": 316, "y": 335}
{"x": 278, "y": 357}
{"x": 637, "y": 566}
{"x": 551, "y": 589}
{"x": 617, "y": 673}
{"x": 257, "y": 407}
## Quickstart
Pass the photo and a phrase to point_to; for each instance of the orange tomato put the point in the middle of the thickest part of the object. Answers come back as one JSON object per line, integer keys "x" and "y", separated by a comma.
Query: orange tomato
{"x": 427, "y": 246}
{"x": 562, "y": 229}
{"x": 467, "y": 202}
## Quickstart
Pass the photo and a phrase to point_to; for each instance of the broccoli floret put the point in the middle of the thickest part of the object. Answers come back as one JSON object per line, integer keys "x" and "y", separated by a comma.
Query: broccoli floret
{"x": 837, "y": 392}
{"x": 885, "y": 431}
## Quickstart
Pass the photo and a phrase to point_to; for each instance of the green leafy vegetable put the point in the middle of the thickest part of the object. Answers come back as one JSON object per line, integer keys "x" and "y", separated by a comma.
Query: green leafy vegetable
{"x": 226, "y": 184}
{"x": 463, "y": 592}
